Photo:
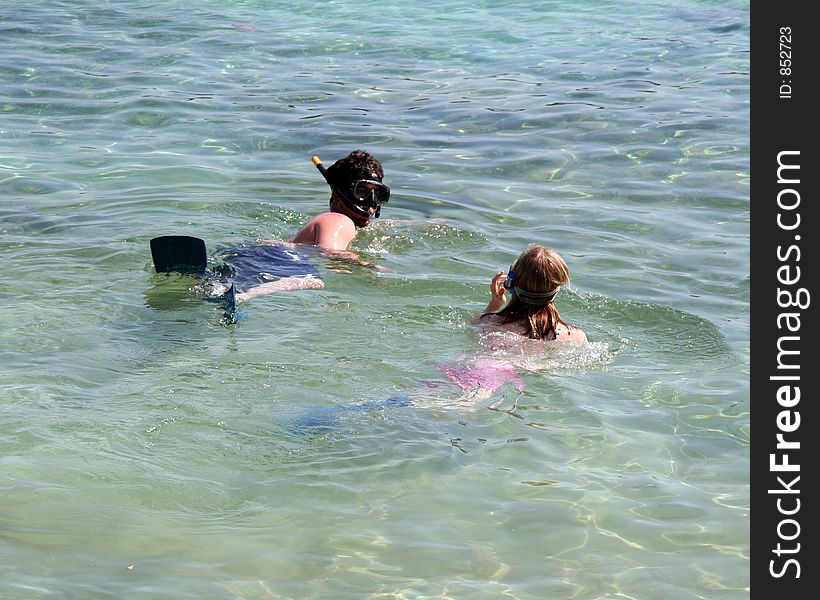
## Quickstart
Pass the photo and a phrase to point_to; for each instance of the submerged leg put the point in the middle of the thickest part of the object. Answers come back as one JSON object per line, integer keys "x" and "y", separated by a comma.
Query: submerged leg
{"x": 286, "y": 284}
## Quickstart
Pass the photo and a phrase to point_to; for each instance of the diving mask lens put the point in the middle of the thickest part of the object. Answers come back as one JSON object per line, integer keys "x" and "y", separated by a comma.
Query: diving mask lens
{"x": 509, "y": 282}
{"x": 370, "y": 192}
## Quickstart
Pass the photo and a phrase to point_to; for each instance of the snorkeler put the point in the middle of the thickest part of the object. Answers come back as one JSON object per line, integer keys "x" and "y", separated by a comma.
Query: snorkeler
{"x": 357, "y": 195}
{"x": 533, "y": 281}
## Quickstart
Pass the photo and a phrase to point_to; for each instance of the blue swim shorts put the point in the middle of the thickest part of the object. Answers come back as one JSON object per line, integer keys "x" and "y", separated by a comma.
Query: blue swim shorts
{"x": 254, "y": 265}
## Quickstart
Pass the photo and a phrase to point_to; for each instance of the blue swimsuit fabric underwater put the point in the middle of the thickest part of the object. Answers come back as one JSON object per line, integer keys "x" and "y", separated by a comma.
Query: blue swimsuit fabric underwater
{"x": 255, "y": 265}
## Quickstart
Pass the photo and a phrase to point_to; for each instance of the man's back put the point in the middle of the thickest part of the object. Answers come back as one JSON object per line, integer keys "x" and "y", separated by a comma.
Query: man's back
{"x": 330, "y": 230}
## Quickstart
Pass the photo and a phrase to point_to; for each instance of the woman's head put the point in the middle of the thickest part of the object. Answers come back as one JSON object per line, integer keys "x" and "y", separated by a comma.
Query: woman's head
{"x": 537, "y": 275}
{"x": 534, "y": 280}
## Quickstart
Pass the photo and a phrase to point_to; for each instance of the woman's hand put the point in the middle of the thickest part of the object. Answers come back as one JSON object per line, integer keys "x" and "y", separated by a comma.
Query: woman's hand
{"x": 497, "y": 291}
{"x": 497, "y": 297}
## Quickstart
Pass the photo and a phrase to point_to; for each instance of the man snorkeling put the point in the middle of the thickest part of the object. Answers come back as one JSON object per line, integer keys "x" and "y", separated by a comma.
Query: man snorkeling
{"x": 357, "y": 194}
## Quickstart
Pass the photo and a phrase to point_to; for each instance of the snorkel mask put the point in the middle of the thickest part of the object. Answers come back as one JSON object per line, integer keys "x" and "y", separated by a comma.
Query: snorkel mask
{"x": 532, "y": 298}
{"x": 361, "y": 195}
{"x": 508, "y": 282}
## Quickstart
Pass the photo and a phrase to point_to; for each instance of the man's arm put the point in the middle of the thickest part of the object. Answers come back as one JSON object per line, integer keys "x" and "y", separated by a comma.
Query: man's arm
{"x": 354, "y": 259}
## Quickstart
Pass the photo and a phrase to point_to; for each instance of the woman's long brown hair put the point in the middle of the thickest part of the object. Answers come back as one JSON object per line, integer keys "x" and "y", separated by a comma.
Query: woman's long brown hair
{"x": 538, "y": 270}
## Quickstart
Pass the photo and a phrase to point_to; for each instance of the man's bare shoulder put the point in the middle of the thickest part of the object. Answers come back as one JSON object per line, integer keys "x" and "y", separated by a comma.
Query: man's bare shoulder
{"x": 329, "y": 230}
{"x": 332, "y": 219}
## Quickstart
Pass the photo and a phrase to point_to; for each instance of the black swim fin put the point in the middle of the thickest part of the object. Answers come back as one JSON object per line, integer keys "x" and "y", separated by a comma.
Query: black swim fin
{"x": 180, "y": 253}
{"x": 187, "y": 254}
{"x": 228, "y": 302}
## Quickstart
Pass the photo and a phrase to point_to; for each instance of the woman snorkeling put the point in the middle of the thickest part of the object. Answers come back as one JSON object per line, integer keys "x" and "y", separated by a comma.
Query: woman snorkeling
{"x": 534, "y": 280}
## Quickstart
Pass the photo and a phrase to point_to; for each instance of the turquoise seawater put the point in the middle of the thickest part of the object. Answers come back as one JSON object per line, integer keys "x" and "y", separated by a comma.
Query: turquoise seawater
{"x": 148, "y": 451}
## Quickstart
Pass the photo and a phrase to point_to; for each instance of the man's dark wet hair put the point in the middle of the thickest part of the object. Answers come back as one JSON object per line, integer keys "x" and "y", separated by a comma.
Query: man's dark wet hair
{"x": 356, "y": 165}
